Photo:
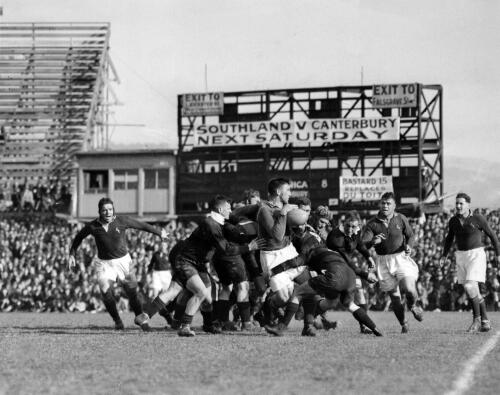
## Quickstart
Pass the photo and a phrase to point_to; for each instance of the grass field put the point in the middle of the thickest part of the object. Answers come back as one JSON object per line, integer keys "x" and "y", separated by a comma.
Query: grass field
{"x": 82, "y": 354}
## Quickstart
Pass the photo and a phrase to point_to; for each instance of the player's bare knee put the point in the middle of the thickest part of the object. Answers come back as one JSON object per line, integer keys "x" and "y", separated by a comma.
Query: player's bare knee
{"x": 472, "y": 289}
{"x": 352, "y": 307}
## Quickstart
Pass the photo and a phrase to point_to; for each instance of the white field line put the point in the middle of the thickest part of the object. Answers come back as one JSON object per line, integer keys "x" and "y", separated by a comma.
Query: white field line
{"x": 466, "y": 377}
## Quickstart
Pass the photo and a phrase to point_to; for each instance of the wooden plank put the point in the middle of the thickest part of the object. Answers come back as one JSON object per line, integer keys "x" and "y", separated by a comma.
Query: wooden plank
{"x": 49, "y": 26}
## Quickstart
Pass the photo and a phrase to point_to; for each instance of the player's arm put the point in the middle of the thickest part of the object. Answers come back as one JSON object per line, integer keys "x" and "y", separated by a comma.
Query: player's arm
{"x": 139, "y": 225}
{"x": 448, "y": 242}
{"x": 361, "y": 248}
{"x": 151, "y": 265}
{"x": 369, "y": 237}
{"x": 230, "y": 249}
{"x": 234, "y": 234}
{"x": 275, "y": 226}
{"x": 491, "y": 235}
{"x": 82, "y": 234}
{"x": 408, "y": 234}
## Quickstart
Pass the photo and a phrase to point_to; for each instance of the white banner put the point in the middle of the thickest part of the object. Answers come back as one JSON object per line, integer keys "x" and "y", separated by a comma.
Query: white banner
{"x": 299, "y": 133}
{"x": 368, "y": 188}
{"x": 396, "y": 95}
{"x": 211, "y": 103}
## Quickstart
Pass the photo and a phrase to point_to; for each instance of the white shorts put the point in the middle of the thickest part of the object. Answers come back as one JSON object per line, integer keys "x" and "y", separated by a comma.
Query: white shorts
{"x": 161, "y": 279}
{"x": 471, "y": 265}
{"x": 113, "y": 269}
{"x": 392, "y": 268}
{"x": 271, "y": 259}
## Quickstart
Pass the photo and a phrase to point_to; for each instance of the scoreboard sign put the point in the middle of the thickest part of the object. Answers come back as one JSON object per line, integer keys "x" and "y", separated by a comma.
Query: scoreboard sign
{"x": 395, "y": 95}
{"x": 368, "y": 188}
{"x": 210, "y": 103}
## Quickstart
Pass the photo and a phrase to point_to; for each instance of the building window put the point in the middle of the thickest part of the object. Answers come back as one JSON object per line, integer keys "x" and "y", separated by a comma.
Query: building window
{"x": 96, "y": 181}
{"x": 156, "y": 178}
{"x": 126, "y": 179}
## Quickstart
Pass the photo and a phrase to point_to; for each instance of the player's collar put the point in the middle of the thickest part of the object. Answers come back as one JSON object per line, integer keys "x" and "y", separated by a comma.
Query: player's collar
{"x": 217, "y": 217}
{"x": 388, "y": 219}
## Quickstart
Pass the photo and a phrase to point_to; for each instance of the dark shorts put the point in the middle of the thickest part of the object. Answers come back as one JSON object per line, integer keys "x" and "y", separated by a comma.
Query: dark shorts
{"x": 332, "y": 284}
{"x": 184, "y": 269}
{"x": 231, "y": 271}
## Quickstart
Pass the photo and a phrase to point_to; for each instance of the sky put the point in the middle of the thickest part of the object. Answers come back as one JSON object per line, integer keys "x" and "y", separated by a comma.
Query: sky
{"x": 160, "y": 49}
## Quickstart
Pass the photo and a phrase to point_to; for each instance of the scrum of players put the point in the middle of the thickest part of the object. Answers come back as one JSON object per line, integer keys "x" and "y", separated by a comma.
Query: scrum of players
{"x": 267, "y": 262}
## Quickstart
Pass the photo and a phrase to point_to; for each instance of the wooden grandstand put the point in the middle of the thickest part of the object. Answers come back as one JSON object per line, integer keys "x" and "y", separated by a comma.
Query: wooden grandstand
{"x": 54, "y": 96}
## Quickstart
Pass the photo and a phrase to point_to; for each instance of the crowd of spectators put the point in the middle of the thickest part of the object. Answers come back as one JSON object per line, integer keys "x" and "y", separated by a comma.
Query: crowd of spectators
{"x": 34, "y": 274}
{"x": 40, "y": 195}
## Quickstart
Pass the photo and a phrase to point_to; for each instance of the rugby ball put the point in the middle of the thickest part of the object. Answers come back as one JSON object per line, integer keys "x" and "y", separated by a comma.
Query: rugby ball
{"x": 297, "y": 217}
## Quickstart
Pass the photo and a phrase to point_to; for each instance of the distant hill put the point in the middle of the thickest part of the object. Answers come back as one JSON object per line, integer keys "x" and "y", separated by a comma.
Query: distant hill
{"x": 478, "y": 177}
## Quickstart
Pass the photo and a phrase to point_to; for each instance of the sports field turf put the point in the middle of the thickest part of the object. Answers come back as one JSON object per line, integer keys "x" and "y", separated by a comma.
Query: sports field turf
{"x": 81, "y": 354}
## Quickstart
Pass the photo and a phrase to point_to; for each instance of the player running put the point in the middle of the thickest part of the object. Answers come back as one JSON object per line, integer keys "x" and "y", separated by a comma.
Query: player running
{"x": 113, "y": 262}
{"x": 466, "y": 228}
{"x": 391, "y": 235}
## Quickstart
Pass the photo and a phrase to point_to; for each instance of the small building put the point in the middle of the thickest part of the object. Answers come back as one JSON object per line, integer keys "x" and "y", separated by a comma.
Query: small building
{"x": 140, "y": 182}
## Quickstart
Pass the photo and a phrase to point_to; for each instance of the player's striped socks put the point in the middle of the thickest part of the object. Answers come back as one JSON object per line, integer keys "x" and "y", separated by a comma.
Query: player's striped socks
{"x": 309, "y": 306}
{"x": 153, "y": 307}
{"x": 244, "y": 309}
{"x": 398, "y": 308}
{"x": 110, "y": 303}
{"x": 482, "y": 309}
{"x": 290, "y": 311}
{"x": 476, "y": 308}
{"x": 133, "y": 298}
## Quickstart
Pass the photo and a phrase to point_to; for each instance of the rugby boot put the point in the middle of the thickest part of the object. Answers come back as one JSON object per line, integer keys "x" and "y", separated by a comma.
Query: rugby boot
{"x": 185, "y": 331}
{"x": 119, "y": 325}
{"x": 309, "y": 330}
{"x": 278, "y": 330}
{"x": 364, "y": 330}
{"x": 142, "y": 320}
{"x": 212, "y": 328}
{"x": 299, "y": 315}
{"x": 418, "y": 313}
{"x": 405, "y": 327}
{"x": 485, "y": 325}
{"x": 176, "y": 324}
{"x": 230, "y": 326}
{"x": 168, "y": 316}
{"x": 475, "y": 326}
{"x": 327, "y": 324}
{"x": 376, "y": 332}
{"x": 250, "y": 327}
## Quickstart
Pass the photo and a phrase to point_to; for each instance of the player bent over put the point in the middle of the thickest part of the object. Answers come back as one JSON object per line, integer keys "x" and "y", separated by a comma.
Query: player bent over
{"x": 467, "y": 228}
{"x": 391, "y": 235}
{"x": 190, "y": 269}
{"x": 113, "y": 263}
{"x": 335, "y": 279}
{"x": 345, "y": 240}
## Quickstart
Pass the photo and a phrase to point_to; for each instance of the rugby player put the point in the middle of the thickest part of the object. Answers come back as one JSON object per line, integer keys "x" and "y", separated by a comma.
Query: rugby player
{"x": 279, "y": 258}
{"x": 113, "y": 262}
{"x": 467, "y": 228}
{"x": 345, "y": 240}
{"x": 190, "y": 269}
{"x": 336, "y": 279}
{"x": 392, "y": 237}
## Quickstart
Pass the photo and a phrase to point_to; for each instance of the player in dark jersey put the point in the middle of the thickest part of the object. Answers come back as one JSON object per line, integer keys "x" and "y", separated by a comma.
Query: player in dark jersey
{"x": 190, "y": 268}
{"x": 335, "y": 278}
{"x": 345, "y": 240}
{"x": 392, "y": 237}
{"x": 467, "y": 229}
{"x": 160, "y": 270}
{"x": 113, "y": 261}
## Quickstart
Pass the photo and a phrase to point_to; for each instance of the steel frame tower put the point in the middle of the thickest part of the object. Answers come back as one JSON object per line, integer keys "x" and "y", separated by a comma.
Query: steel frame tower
{"x": 415, "y": 161}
